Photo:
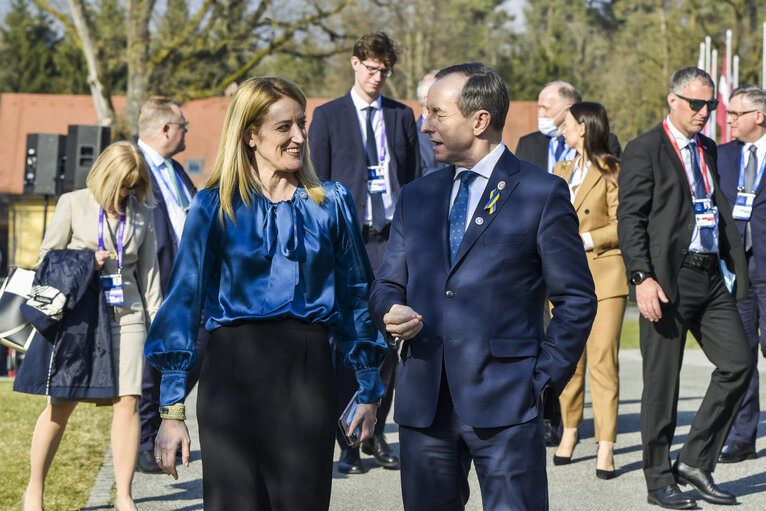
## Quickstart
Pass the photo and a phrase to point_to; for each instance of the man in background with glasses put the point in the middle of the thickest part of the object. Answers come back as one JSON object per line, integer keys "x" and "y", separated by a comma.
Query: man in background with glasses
{"x": 741, "y": 165}
{"x": 161, "y": 135}
{"x": 370, "y": 144}
{"x": 675, "y": 228}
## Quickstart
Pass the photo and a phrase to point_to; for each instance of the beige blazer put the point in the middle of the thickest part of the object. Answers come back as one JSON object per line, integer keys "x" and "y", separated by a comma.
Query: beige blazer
{"x": 596, "y": 207}
{"x": 75, "y": 226}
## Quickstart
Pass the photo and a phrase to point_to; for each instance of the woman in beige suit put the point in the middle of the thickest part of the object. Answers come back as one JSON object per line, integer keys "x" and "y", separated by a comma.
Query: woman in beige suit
{"x": 111, "y": 218}
{"x": 592, "y": 178}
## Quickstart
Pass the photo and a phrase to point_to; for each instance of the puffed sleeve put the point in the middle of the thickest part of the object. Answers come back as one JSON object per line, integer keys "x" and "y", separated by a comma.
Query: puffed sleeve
{"x": 148, "y": 266}
{"x": 173, "y": 333}
{"x": 360, "y": 342}
{"x": 59, "y": 232}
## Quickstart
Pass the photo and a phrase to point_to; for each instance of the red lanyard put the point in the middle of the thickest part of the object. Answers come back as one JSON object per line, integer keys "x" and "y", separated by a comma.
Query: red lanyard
{"x": 678, "y": 152}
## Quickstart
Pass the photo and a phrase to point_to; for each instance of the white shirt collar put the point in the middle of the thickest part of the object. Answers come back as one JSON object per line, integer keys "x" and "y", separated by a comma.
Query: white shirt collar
{"x": 487, "y": 164}
{"x": 360, "y": 104}
{"x": 759, "y": 144}
{"x": 153, "y": 155}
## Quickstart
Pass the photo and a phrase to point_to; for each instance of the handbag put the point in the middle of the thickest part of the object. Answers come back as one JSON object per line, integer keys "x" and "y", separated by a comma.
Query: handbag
{"x": 15, "y": 331}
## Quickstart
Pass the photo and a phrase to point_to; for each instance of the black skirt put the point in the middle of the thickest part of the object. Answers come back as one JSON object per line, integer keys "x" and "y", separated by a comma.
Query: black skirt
{"x": 266, "y": 416}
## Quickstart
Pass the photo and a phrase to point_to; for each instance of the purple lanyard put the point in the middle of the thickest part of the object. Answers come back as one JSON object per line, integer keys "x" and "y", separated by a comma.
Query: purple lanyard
{"x": 120, "y": 233}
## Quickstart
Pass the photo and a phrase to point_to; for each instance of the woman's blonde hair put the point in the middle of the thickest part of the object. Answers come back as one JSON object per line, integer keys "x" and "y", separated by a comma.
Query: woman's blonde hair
{"x": 234, "y": 171}
{"x": 120, "y": 163}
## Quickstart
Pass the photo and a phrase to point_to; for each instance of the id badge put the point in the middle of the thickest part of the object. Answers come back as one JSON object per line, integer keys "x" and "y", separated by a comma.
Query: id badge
{"x": 376, "y": 183}
{"x": 743, "y": 207}
{"x": 705, "y": 214}
{"x": 112, "y": 286}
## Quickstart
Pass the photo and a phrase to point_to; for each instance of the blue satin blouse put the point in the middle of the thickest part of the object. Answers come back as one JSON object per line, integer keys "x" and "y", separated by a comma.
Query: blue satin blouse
{"x": 295, "y": 260}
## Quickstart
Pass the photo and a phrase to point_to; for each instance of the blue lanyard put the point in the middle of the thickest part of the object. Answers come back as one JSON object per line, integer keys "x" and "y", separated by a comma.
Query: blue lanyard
{"x": 120, "y": 234}
{"x": 173, "y": 194}
{"x": 758, "y": 176}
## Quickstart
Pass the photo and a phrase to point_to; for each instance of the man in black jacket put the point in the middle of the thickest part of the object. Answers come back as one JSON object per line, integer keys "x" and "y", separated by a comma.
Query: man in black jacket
{"x": 675, "y": 227}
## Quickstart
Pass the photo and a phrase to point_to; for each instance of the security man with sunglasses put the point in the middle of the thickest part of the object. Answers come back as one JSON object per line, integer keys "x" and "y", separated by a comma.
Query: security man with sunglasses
{"x": 682, "y": 249}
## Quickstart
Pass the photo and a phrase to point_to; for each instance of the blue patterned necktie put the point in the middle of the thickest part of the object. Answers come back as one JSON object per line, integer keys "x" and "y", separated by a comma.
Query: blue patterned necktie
{"x": 457, "y": 215}
{"x": 698, "y": 187}
{"x": 371, "y": 150}
{"x": 559, "y": 147}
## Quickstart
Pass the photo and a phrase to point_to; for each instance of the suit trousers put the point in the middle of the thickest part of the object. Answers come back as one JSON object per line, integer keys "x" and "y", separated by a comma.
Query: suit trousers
{"x": 708, "y": 311}
{"x": 509, "y": 461}
{"x": 600, "y": 355}
{"x": 267, "y": 418}
{"x": 753, "y": 313}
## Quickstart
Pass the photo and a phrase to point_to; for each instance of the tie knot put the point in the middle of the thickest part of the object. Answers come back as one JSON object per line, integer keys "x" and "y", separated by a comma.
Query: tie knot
{"x": 370, "y": 111}
{"x": 467, "y": 177}
{"x": 752, "y": 150}
{"x": 560, "y": 139}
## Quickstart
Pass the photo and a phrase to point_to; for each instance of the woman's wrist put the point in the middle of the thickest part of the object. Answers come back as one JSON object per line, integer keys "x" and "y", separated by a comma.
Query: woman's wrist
{"x": 176, "y": 411}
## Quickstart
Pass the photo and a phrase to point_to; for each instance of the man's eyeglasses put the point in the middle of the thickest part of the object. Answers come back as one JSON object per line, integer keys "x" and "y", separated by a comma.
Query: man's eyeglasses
{"x": 697, "y": 104}
{"x": 184, "y": 125}
{"x": 384, "y": 73}
{"x": 736, "y": 115}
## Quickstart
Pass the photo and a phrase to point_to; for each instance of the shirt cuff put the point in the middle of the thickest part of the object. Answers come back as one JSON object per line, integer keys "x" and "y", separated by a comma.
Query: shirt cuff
{"x": 173, "y": 387}
{"x": 371, "y": 387}
{"x": 587, "y": 240}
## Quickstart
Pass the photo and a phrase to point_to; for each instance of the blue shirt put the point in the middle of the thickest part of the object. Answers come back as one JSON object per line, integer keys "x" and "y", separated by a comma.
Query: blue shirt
{"x": 295, "y": 260}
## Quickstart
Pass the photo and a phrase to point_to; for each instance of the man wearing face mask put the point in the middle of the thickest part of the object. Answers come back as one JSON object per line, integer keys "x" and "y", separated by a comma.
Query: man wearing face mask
{"x": 546, "y": 146}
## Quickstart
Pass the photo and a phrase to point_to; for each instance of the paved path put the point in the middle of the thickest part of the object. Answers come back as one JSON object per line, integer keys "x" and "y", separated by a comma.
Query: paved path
{"x": 572, "y": 487}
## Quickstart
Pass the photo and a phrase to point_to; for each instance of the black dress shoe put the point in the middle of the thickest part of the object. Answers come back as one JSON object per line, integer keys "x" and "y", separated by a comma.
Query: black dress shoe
{"x": 552, "y": 433}
{"x": 702, "y": 481}
{"x": 379, "y": 448}
{"x": 147, "y": 464}
{"x": 738, "y": 451}
{"x": 671, "y": 497}
{"x": 350, "y": 462}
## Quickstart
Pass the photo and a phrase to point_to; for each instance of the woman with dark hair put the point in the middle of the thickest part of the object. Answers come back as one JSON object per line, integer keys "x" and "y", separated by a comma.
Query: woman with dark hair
{"x": 276, "y": 257}
{"x": 592, "y": 178}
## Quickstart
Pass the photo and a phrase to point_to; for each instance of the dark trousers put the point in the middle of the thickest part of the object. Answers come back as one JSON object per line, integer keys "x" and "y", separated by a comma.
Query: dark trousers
{"x": 346, "y": 380}
{"x": 708, "y": 311}
{"x": 753, "y": 314}
{"x": 266, "y": 418}
{"x": 510, "y": 463}
{"x": 149, "y": 404}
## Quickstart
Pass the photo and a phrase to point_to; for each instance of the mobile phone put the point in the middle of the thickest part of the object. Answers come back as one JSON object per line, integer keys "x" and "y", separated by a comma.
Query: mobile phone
{"x": 345, "y": 420}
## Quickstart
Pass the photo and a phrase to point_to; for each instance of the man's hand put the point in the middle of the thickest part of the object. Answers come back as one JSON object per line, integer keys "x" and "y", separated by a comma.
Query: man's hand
{"x": 403, "y": 322}
{"x": 172, "y": 435}
{"x": 649, "y": 294}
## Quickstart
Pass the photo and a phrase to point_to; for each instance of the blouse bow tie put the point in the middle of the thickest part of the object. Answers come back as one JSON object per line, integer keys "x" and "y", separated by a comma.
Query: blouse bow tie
{"x": 283, "y": 233}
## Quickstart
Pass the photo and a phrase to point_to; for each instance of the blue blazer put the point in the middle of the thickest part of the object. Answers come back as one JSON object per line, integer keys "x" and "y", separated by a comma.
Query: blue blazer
{"x": 167, "y": 246}
{"x": 338, "y": 154}
{"x": 483, "y": 315}
{"x": 728, "y": 175}
{"x": 428, "y": 161}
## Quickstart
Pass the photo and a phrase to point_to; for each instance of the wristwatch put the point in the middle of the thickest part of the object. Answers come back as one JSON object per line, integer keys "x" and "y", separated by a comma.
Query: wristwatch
{"x": 638, "y": 277}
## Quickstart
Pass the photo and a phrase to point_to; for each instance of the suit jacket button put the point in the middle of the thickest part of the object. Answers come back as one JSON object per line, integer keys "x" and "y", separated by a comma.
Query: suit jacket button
{"x": 449, "y": 293}
{"x": 691, "y": 226}
{"x": 587, "y": 211}
{"x": 479, "y": 220}
{"x": 439, "y": 340}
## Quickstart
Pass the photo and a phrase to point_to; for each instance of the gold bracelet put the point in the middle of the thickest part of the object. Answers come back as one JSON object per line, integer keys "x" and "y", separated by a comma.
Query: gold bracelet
{"x": 176, "y": 411}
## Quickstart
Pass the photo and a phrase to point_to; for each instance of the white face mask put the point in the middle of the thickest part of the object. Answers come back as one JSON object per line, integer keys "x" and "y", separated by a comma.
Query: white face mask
{"x": 547, "y": 125}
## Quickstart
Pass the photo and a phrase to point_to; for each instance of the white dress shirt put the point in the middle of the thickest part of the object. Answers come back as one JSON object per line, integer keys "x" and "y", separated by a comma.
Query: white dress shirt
{"x": 484, "y": 170}
{"x": 760, "y": 154}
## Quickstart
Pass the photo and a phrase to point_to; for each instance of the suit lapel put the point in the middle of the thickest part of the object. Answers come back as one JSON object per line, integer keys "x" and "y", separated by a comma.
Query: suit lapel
{"x": 591, "y": 178}
{"x": 506, "y": 169}
{"x": 672, "y": 157}
{"x": 441, "y": 216}
{"x": 351, "y": 120}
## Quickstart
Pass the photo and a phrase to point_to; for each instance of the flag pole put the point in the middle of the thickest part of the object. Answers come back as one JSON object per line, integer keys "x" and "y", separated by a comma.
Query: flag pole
{"x": 713, "y": 71}
{"x": 735, "y": 72}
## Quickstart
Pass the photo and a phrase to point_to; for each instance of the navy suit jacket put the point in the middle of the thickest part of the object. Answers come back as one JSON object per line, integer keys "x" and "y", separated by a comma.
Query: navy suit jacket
{"x": 728, "y": 174}
{"x": 483, "y": 315}
{"x": 167, "y": 246}
{"x": 337, "y": 151}
{"x": 428, "y": 161}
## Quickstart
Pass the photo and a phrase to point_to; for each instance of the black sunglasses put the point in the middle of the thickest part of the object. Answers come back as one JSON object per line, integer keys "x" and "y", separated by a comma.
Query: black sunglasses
{"x": 697, "y": 104}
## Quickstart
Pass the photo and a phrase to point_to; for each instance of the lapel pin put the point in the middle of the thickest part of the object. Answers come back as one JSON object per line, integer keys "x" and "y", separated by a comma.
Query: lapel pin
{"x": 479, "y": 220}
{"x": 501, "y": 185}
{"x": 492, "y": 202}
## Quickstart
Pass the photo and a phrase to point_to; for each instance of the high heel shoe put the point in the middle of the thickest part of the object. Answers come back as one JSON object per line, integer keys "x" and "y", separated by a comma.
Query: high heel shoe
{"x": 566, "y": 460}
{"x": 607, "y": 474}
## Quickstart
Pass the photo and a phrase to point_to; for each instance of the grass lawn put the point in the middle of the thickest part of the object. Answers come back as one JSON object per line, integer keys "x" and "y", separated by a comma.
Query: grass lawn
{"x": 78, "y": 460}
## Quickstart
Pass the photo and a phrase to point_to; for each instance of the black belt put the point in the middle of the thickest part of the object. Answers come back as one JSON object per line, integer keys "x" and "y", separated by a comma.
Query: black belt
{"x": 369, "y": 231}
{"x": 698, "y": 261}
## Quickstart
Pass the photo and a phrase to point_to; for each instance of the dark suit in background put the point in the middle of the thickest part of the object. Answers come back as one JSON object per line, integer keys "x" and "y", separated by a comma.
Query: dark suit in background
{"x": 534, "y": 148}
{"x": 338, "y": 154}
{"x": 655, "y": 225}
{"x": 752, "y": 310}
